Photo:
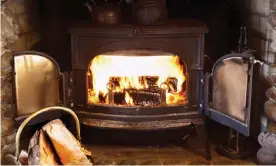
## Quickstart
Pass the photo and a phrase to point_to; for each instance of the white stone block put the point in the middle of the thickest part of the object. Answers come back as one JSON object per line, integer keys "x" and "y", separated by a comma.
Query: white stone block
{"x": 266, "y": 156}
{"x": 254, "y": 22}
{"x": 260, "y": 6}
{"x": 273, "y": 45}
{"x": 266, "y": 29}
{"x": 271, "y": 57}
{"x": 273, "y": 5}
{"x": 264, "y": 70}
{"x": 265, "y": 46}
{"x": 264, "y": 26}
{"x": 253, "y": 5}
{"x": 270, "y": 110}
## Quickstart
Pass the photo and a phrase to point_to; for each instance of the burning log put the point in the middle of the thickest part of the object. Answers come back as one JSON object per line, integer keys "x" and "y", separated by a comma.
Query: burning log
{"x": 66, "y": 145}
{"x": 150, "y": 95}
{"x": 145, "y": 97}
{"x": 115, "y": 81}
{"x": 151, "y": 80}
{"x": 119, "y": 98}
{"x": 40, "y": 151}
{"x": 141, "y": 97}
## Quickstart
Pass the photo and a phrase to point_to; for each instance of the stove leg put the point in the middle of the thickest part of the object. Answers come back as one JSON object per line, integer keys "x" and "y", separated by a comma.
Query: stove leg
{"x": 237, "y": 146}
{"x": 202, "y": 133}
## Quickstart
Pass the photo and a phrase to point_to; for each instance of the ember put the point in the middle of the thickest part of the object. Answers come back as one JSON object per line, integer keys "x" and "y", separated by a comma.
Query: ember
{"x": 136, "y": 80}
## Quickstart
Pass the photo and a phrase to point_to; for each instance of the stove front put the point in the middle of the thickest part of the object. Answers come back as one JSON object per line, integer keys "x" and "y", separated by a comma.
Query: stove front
{"x": 140, "y": 78}
{"x": 137, "y": 77}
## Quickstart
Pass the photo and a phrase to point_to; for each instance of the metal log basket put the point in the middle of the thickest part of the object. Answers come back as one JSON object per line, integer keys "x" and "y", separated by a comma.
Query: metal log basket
{"x": 40, "y": 118}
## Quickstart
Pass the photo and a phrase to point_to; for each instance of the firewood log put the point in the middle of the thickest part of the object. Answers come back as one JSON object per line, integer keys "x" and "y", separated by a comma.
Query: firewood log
{"x": 66, "y": 145}
{"x": 40, "y": 151}
{"x": 145, "y": 97}
{"x": 23, "y": 157}
{"x": 85, "y": 150}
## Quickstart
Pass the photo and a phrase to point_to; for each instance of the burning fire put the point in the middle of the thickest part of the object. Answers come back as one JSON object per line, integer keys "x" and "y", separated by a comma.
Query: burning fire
{"x": 136, "y": 80}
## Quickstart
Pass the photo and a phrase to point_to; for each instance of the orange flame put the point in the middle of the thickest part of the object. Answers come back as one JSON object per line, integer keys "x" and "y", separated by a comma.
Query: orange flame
{"x": 129, "y": 72}
{"x": 128, "y": 99}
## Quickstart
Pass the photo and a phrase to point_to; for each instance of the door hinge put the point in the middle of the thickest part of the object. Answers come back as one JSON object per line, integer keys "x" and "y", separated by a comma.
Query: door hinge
{"x": 207, "y": 113}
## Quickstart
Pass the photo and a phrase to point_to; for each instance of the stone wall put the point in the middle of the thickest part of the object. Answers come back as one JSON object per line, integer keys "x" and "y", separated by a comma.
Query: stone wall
{"x": 260, "y": 18}
{"x": 17, "y": 34}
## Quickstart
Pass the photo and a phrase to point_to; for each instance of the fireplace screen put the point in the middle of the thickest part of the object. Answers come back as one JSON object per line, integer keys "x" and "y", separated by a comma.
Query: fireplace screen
{"x": 137, "y": 78}
{"x": 230, "y": 87}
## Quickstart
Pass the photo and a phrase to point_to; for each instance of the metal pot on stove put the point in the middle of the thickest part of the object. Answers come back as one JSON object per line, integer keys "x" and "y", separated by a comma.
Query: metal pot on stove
{"x": 106, "y": 13}
{"x": 151, "y": 12}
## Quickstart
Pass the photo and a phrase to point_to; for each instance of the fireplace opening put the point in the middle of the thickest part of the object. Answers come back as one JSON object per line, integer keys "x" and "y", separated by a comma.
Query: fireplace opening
{"x": 137, "y": 78}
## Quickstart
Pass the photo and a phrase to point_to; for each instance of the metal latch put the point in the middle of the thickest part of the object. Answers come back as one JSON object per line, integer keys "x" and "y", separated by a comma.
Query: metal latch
{"x": 258, "y": 61}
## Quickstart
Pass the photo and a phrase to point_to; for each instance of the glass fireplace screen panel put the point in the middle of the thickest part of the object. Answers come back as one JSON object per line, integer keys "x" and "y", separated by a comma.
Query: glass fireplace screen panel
{"x": 230, "y": 87}
{"x": 137, "y": 78}
{"x": 36, "y": 83}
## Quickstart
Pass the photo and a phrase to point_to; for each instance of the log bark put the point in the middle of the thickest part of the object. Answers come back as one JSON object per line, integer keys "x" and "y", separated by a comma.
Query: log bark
{"x": 66, "y": 145}
{"x": 149, "y": 96}
{"x": 40, "y": 151}
{"x": 141, "y": 97}
{"x": 145, "y": 97}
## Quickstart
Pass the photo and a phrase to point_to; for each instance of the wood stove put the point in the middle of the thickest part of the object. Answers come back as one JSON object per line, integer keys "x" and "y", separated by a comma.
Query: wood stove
{"x": 141, "y": 78}
{"x": 144, "y": 77}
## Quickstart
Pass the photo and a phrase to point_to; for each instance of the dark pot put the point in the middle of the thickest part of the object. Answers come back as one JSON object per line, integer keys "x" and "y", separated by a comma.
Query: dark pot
{"x": 151, "y": 12}
{"x": 105, "y": 14}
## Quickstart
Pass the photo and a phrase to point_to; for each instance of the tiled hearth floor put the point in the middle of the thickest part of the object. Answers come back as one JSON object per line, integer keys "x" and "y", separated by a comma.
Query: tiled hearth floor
{"x": 156, "y": 155}
{"x": 189, "y": 152}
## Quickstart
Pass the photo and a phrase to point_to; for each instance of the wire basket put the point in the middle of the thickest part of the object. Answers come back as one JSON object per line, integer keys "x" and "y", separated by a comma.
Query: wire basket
{"x": 39, "y": 119}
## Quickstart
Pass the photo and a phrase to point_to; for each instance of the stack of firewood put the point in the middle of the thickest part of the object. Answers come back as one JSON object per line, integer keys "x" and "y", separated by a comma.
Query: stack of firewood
{"x": 150, "y": 96}
{"x": 54, "y": 144}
